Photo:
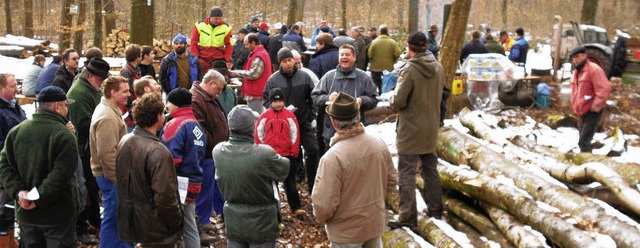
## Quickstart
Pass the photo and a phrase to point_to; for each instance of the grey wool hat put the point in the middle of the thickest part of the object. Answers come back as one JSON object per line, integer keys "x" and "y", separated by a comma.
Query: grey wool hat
{"x": 284, "y": 53}
{"x": 242, "y": 120}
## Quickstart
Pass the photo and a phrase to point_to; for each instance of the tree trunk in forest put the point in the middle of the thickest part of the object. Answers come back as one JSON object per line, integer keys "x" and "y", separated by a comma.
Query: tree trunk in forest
{"x": 453, "y": 144}
{"x": 142, "y": 23}
{"x": 504, "y": 13}
{"x": 343, "y": 15}
{"x": 514, "y": 201}
{"x": 453, "y": 38}
{"x": 7, "y": 15}
{"x": 413, "y": 16}
{"x": 369, "y": 14}
{"x": 401, "y": 5}
{"x": 110, "y": 16}
{"x": 515, "y": 230}
{"x": 589, "y": 11}
{"x": 64, "y": 40}
{"x": 294, "y": 6}
{"x": 97, "y": 24}
{"x": 28, "y": 18}
{"x": 80, "y": 27}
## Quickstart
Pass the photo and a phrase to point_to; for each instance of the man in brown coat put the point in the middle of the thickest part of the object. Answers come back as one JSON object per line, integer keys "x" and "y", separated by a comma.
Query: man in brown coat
{"x": 353, "y": 179}
{"x": 417, "y": 100}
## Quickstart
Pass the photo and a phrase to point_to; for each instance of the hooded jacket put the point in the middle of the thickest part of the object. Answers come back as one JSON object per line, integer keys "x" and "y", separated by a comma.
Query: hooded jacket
{"x": 279, "y": 130}
{"x": 417, "y": 99}
{"x": 590, "y": 89}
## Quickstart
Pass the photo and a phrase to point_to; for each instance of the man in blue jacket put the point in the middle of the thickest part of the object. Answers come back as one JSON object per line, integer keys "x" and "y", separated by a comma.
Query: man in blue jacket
{"x": 179, "y": 67}
{"x": 293, "y": 41}
{"x": 518, "y": 52}
{"x": 323, "y": 26}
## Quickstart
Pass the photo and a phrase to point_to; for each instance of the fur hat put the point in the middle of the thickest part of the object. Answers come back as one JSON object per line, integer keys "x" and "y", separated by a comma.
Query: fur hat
{"x": 344, "y": 108}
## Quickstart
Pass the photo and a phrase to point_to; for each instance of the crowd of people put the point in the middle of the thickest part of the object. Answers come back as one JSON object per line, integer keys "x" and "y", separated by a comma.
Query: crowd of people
{"x": 164, "y": 168}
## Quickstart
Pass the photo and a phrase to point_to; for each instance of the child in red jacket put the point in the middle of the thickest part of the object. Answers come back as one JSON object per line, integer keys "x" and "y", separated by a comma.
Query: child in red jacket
{"x": 278, "y": 128}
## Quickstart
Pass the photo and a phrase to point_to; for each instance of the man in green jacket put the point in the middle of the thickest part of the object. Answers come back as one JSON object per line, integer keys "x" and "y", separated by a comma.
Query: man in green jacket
{"x": 383, "y": 53}
{"x": 86, "y": 91}
{"x": 417, "y": 99}
{"x": 37, "y": 168}
{"x": 247, "y": 174}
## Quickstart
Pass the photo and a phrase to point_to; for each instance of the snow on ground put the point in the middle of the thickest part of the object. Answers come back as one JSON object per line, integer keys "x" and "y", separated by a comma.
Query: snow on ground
{"x": 459, "y": 237}
{"x": 20, "y": 67}
{"x": 23, "y": 41}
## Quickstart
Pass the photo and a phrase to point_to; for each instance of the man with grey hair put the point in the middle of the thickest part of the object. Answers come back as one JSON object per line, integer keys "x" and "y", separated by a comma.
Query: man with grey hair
{"x": 361, "y": 48}
{"x": 210, "y": 114}
{"x": 353, "y": 179}
{"x": 297, "y": 59}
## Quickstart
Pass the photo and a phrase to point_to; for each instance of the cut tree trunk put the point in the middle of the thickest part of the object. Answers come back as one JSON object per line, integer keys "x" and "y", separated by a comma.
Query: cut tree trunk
{"x": 13, "y": 51}
{"x": 477, "y": 239}
{"x": 476, "y": 219}
{"x": 514, "y": 201}
{"x": 398, "y": 238}
{"x": 514, "y": 229}
{"x": 487, "y": 161}
{"x": 428, "y": 229}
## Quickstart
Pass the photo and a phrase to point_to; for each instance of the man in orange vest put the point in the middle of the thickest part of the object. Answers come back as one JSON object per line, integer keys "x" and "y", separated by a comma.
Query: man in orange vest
{"x": 211, "y": 40}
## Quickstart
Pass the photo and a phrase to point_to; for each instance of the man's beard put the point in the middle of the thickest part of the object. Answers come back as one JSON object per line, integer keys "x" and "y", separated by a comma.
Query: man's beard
{"x": 180, "y": 50}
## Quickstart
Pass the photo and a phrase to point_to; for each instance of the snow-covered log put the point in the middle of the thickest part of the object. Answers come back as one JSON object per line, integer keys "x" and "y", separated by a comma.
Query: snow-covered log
{"x": 516, "y": 231}
{"x": 474, "y": 218}
{"x": 13, "y": 51}
{"x": 476, "y": 239}
{"x": 398, "y": 238}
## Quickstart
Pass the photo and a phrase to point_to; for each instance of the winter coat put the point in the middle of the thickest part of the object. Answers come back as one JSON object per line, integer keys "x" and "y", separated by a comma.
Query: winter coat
{"x": 263, "y": 36}
{"x": 294, "y": 42}
{"x": 361, "y": 57}
{"x": 46, "y": 76}
{"x": 324, "y": 60}
{"x": 433, "y": 44}
{"x": 518, "y": 52}
{"x": 133, "y": 74}
{"x": 590, "y": 89}
{"x": 107, "y": 128}
{"x": 211, "y": 43}
{"x": 297, "y": 88}
{"x": 30, "y": 80}
{"x": 9, "y": 118}
{"x": 355, "y": 83}
{"x": 383, "y": 53}
{"x": 80, "y": 112}
{"x": 147, "y": 70}
{"x": 169, "y": 71}
{"x": 280, "y": 131}
{"x": 245, "y": 173}
{"x": 149, "y": 209}
{"x": 417, "y": 98}
{"x": 254, "y": 87}
{"x": 343, "y": 39}
{"x": 317, "y": 31}
{"x": 354, "y": 176}
{"x": 184, "y": 137}
{"x": 240, "y": 55}
{"x": 472, "y": 47}
{"x": 42, "y": 153}
{"x": 492, "y": 46}
{"x": 63, "y": 78}
{"x": 227, "y": 98}
{"x": 211, "y": 116}
{"x": 275, "y": 43}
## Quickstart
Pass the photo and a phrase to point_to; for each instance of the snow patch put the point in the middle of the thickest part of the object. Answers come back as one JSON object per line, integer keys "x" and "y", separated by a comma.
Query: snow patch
{"x": 509, "y": 182}
{"x": 594, "y": 185}
{"x": 547, "y": 207}
{"x": 458, "y": 237}
{"x": 614, "y": 212}
{"x": 420, "y": 240}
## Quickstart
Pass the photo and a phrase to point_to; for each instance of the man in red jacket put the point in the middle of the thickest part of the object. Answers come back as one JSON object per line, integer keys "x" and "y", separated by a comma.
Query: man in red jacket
{"x": 590, "y": 90}
{"x": 211, "y": 40}
{"x": 255, "y": 74}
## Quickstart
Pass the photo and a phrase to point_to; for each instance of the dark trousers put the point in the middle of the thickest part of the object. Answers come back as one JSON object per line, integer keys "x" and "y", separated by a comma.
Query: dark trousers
{"x": 376, "y": 76}
{"x": 91, "y": 213}
{"x": 431, "y": 193}
{"x": 290, "y": 188}
{"x": 311, "y": 156}
{"x": 58, "y": 236}
{"x": 587, "y": 125}
{"x": 319, "y": 129}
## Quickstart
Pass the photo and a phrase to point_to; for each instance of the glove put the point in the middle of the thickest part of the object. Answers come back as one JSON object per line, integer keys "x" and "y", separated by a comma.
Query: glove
{"x": 292, "y": 108}
{"x": 314, "y": 124}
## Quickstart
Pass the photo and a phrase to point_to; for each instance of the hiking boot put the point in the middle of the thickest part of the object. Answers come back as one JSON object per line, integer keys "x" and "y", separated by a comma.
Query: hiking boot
{"x": 300, "y": 213}
{"x": 395, "y": 225}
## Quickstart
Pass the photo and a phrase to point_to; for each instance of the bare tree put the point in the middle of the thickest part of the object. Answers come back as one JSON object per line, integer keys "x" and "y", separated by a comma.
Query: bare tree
{"x": 589, "y": 11}
{"x": 295, "y": 11}
{"x": 109, "y": 16}
{"x": 79, "y": 32}
{"x": 97, "y": 23}
{"x": 142, "y": 22}
{"x": 7, "y": 13}
{"x": 504, "y": 12}
{"x": 413, "y": 16}
{"x": 28, "y": 18}
{"x": 453, "y": 38}
{"x": 65, "y": 25}
{"x": 343, "y": 16}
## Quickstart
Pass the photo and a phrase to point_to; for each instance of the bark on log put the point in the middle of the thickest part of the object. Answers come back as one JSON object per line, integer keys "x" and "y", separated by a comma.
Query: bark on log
{"x": 428, "y": 229}
{"x": 514, "y": 229}
{"x": 514, "y": 201}
{"x": 591, "y": 214}
{"x": 398, "y": 238}
{"x": 12, "y": 51}
{"x": 477, "y": 239}
{"x": 476, "y": 219}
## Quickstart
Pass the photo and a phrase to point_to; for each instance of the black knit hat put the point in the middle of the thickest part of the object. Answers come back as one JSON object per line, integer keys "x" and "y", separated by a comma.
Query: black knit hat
{"x": 180, "y": 97}
{"x": 579, "y": 49}
{"x": 215, "y": 12}
{"x": 220, "y": 66}
{"x": 284, "y": 53}
{"x": 276, "y": 94}
{"x": 53, "y": 94}
{"x": 344, "y": 108}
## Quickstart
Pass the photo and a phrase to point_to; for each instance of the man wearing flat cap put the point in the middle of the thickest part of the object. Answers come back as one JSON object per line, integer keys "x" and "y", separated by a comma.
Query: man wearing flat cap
{"x": 590, "y": 90}
{"x": 86, "y": 92}
{"x": 417, "y": 99}
{"x": 211, "y": 40}
{"x": 40, "y": 155}
{"x": 107, "y": 128}
{"x": 353, "y": 179}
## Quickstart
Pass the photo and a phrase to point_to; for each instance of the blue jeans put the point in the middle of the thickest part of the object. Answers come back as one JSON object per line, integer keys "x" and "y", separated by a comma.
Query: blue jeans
{"x": 210, "y": 197}
{"x": 109, "y": 225}
{"x": 190, "y": 238}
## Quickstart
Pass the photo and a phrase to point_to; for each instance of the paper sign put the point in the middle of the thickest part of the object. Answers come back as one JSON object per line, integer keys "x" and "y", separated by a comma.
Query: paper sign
{"x": 183, "y": 187}
{"x": 33, "y": 195}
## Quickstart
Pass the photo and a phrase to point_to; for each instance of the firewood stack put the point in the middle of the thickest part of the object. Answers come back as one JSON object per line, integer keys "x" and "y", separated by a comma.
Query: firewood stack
{"x": 117, "y": 41}
{"x": 162, "y": 48}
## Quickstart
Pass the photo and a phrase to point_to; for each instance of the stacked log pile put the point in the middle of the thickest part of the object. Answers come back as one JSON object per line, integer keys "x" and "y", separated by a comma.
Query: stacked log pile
{"x": 118, "y": 39}
{"x": 513, "y": 193}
